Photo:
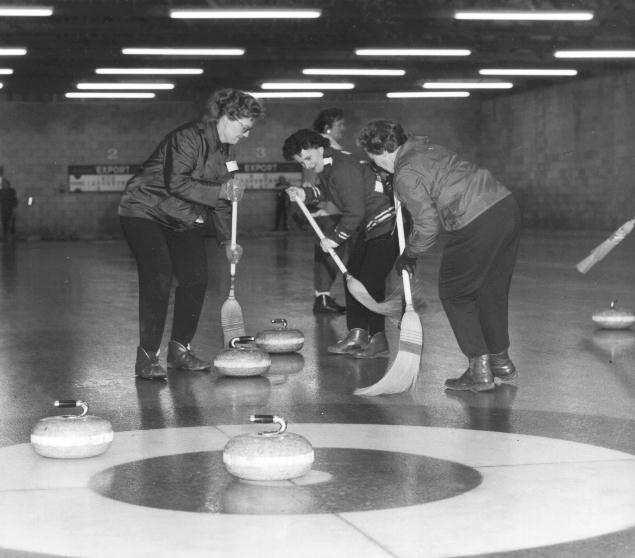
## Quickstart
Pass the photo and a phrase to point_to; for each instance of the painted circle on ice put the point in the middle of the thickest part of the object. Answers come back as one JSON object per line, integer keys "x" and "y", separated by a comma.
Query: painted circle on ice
{"x": 537, "y": 492}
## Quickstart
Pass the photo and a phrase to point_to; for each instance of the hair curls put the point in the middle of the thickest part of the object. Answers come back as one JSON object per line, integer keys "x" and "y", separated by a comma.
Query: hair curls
{"x": 326, "y": 118}
{"x": 302, "y": 139}
{"x": 381, "y": 135}
{"x": 234, "y": 104}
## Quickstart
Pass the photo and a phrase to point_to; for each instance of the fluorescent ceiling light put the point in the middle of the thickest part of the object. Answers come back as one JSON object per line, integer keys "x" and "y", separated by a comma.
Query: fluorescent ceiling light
{"x": 125, "y": 86}
{"x": 1, "y": 85}
{"x": 526, "y": 72}
{"x": 412, "y": 52}
{"x": 245, "y": 14}
{"x": 513, "y": 15}
{"x": 186, "y": 51}
{"x": 12, "y": 51}
{"x": 594, "y": 54}
{"x": 300, "y": 85}
{"x": 39, "y": 11}
{"x": 467, "y": 85}
{"x": 286, "y": 94}
{"x": 150, "y": 71}
{"x": 106, "y": 95}
{"x": 5, "y": 71}
{"x": 351, "y": 72}
{"x": 425, "y": 94}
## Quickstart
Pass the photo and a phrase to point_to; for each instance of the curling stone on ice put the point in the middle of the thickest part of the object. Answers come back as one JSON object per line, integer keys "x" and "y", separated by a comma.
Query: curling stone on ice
{"x": 241, "y": 359}
{"x": 281, "y": 339}
{"x": 71, "y": 436}
{"x": 268, "y": 456}
{"x": 614, "y": 318}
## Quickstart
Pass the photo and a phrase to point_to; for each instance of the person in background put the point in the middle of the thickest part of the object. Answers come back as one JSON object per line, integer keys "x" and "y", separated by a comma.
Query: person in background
{"x": 8, "y": 208}
{"x": 366, "y": 210}
{"x": 330, "y": 124}
{"x": 482, "y": 220}
{"x": 282, "y": 204}
{"x": 164, "y": 211}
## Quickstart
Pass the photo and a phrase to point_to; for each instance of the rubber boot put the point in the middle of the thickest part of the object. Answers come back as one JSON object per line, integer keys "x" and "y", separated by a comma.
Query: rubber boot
{"x": 183, "y": 358}
{"x": 377, "y": 347}
{"x": 148, "y": 367}
{"x": 354, "y": 340}
{"x": 502, "y": 367}
{"x": 478, "y": 376}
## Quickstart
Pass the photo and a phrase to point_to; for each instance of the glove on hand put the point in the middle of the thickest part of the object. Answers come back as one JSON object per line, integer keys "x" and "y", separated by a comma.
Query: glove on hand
{"x": 407, "y": 263}
{"x": 233, "y": 253}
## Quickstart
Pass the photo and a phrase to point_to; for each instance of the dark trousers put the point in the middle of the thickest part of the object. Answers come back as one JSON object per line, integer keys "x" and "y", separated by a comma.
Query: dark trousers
{"x": 475, "y": 276}
{"x": 8, "y": 223}
{"x": 281, "y": 214}
{"x": 370, "y": 261}
{"x": 325, "y": 270}
{"x": 161, "y": 253}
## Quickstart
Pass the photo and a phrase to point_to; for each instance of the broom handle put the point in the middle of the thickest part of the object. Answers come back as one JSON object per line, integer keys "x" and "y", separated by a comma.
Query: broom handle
{"x": 232, "y": 267}
{"x": 402, "y": 245}
{"x": 320, "y": 234}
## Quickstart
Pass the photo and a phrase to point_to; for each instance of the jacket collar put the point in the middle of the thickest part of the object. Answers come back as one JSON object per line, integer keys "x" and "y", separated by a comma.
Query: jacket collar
{"x": 211, "y": 135}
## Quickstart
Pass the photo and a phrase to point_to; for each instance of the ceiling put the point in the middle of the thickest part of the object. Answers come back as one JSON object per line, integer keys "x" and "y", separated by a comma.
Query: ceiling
{"x": 85, "y": 34}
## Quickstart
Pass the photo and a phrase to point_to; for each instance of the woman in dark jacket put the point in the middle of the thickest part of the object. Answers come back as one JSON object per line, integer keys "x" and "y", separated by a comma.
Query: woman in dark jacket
{"x": 164, "y": 211}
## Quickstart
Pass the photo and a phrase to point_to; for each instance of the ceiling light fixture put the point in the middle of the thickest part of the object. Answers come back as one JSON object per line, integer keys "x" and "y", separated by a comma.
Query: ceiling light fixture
{"x": 594, "y": 54}
{"x": 125, "y": 86}
{"x": 286, "y": 94}
{"x": 526, "y": 72}
{"x": 512, "y": 15}
{"x": 5, "y": 71}
{"x": 245, "y": 14}
{"x": 412, "y": 52}
{"x": 150, "y": 71}
{"x": 351, "y": 72}
{"x": 106, "y": 95}
{"x": 12, "y": 51}
{"x": 467, "y": 85}
{"x": 39, "y": 11}
{"x": 300, "y": 85}
{"x": 185, "y": 51}
{"x": 425, "y": 94}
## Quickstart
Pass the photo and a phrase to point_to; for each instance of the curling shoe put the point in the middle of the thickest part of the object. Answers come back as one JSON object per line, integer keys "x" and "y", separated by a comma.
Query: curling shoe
{"x": 502, "y": 367}
{"x": 148, "y": 367}
{"x": 325, "y": 304}
{"x": 356, "y": 339}
{"x": 478, "y": 376}
{"x": 183, "y": 358}
{"x": 377, "y": 347}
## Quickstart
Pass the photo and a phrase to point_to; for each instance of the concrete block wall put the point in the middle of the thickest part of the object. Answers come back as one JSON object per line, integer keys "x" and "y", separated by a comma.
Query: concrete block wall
{"x": 566, "y": 151}
{"x": 38, "y": 141}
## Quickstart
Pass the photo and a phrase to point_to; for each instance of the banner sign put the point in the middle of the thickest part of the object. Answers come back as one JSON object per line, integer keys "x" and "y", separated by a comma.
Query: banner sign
{"x": 99, "y": 178}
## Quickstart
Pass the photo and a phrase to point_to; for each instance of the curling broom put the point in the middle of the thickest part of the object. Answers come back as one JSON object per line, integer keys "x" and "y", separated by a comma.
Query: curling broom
{"x": 601, "y": 250}
{"x": 355, "y": 286}
{"x": 231, "y": 315}
{"x": 402, "y": 374}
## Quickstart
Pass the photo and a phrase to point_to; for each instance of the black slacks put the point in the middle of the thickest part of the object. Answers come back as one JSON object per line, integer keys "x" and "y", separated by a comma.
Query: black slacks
{"x": 475, "y": 276}
{"x": 161, "y": 253}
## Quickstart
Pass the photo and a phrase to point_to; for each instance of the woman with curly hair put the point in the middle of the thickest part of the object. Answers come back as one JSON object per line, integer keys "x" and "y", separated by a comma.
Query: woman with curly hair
{"x": 186, "y": 183}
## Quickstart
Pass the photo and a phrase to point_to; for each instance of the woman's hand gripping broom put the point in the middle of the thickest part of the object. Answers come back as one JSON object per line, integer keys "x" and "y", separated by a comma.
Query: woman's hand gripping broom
{"x": 402, "y": 374}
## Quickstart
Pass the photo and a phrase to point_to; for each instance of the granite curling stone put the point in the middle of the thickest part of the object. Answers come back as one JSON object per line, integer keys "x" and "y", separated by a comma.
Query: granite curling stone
{"x": 281, "y": 339}
{"x": 71, "y": 436}
{"x": 614, "y": 318}
{"x": 241, "y": 360}
{"x": 268, "y": 456}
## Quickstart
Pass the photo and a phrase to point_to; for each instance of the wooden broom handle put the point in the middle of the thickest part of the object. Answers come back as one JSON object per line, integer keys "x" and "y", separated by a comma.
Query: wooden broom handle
{"x": 402, "y": 245}
{"x": 320, "y": 234}
{"x": 232, "y": 267}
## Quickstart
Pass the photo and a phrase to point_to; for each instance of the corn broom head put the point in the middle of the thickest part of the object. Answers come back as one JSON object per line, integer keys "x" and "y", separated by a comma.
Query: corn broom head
{"x": 402, "y": 374}
{"x": 231, "y": 317}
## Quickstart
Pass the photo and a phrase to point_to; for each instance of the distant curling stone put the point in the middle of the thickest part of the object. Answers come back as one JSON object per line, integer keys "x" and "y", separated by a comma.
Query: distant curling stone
{"x": 614, "y": 318}
{"x": 268, "y": 456}
{"x": 71, "y": 436}
{"x": 241, "y": 360}
{"x": 281, "y": 339}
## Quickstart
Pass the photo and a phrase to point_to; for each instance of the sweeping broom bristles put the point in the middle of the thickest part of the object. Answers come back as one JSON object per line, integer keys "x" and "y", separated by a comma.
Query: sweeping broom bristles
{"x": 402, "y": 374}
{"x": 231, "y": 314}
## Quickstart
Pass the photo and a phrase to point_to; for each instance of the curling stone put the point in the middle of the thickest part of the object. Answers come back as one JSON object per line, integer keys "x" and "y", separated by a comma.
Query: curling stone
{"x": 71, "y": 436}
{"x": 614, "y": 318}
{"x": 267, "y": 456}
{"x": 241, "y": 359}
{"x": 281, "y": 339}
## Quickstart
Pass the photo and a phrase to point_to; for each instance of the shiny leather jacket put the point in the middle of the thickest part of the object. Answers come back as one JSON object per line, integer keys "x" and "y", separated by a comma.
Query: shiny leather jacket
{"x": 179, "y": 185}
{"x": 441, "y": 191}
